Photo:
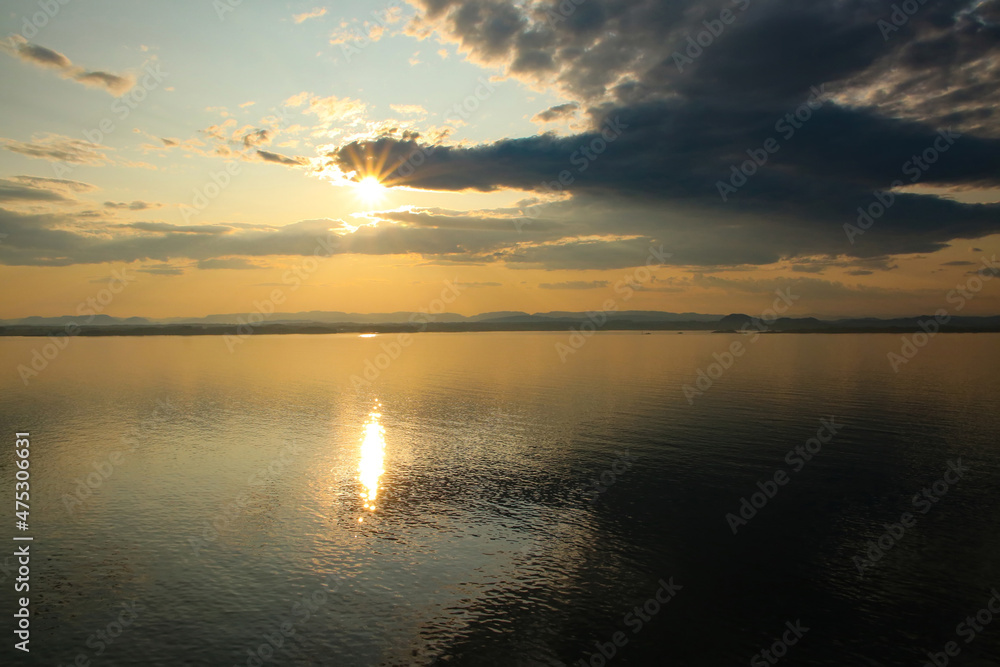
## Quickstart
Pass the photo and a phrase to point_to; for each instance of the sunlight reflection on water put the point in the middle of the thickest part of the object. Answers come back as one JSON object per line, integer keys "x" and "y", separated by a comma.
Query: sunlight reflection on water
{"x": 370, "y": 468}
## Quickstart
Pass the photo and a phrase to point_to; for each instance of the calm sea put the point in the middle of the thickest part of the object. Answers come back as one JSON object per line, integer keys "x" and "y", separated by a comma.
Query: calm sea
{"x": 275, "y": 505}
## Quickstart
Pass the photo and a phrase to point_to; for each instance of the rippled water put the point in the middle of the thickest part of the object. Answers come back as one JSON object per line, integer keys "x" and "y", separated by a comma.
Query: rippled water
{"x": 482, "y": 542}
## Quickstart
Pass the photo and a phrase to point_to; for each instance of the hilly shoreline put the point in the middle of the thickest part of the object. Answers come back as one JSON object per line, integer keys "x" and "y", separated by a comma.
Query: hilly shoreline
{"x": 387, "y": 323}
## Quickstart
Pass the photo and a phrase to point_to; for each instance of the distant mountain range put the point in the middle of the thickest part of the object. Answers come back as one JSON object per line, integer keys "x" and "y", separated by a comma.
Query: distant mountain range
{"x": 336, "y": 317}
{"x": 333, "y": 322}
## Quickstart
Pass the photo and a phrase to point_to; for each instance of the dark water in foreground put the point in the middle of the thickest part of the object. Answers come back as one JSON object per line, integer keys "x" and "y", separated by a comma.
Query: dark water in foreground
{"x": 482, "y": 546}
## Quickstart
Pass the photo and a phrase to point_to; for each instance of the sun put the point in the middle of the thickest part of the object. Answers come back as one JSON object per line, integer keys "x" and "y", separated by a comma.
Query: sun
{"x": 370, "y": 190}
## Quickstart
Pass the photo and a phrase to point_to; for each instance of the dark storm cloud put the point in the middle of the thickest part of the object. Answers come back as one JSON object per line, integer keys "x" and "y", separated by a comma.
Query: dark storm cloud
{"x": 628, "y": 45}
{"x": 671, "y": 121}
{"x": 671, "y": 158}
{"x": 767, "y": 51}
{"x": 670, "y": 150}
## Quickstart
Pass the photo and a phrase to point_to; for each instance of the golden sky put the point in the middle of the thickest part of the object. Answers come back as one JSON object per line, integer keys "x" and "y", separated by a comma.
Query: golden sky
{"x": 206, "y": 151}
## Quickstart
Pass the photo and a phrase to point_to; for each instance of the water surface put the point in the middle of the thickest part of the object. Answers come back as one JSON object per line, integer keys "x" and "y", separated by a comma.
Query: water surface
{"x": 443, "y": 509}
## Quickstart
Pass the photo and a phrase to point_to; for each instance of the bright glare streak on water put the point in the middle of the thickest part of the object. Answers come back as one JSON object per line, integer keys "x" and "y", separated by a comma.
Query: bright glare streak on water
{"x": 372, "y": 455}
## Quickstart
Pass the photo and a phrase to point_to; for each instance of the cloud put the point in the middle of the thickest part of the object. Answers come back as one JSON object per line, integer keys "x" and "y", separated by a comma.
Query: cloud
{"x": 411, "y": 109}
{"x": 314, "y": 14}
{"x": 660, "y": 135}
{"x": 60, "y": 184}
{"x": 41, "y": 55}
{"x": 168, "y": 228}
{"x": 163, "y": 269}
{"x": 576, "y": 284}
{"x": 59, "y": 148}
{"x": 115, "y": 84}
{"x": 558, "y": 112}
{"x": 298, "y": 99}
{"x": 642, "y": 173}
{"x": 667, "y": 158}
{"x": 254, "y": 137}
{"x": 332, "y": 109}
{"x": 359, "y": 33}
{"x": 817, "y": 297}
{"x": 13, "y": 191}
{"x": 364, "y": 32}
{"x": 57, "y": 239}
{"x": 131, "y": 206}
{"x": 665, "y": 132}
{"x": 230, "y": 140}
{"x": 938, "y": 69}
{"x": 572, "y": 235}
{"x": 41, "y": 190}
{"x": 807, "y": 268}
{"x": 227, "y": 263}
{"x": 281, "y": 159}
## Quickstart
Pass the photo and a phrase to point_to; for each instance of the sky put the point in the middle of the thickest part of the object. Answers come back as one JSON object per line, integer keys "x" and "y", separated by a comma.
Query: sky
{"x": 205, "y": 157}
